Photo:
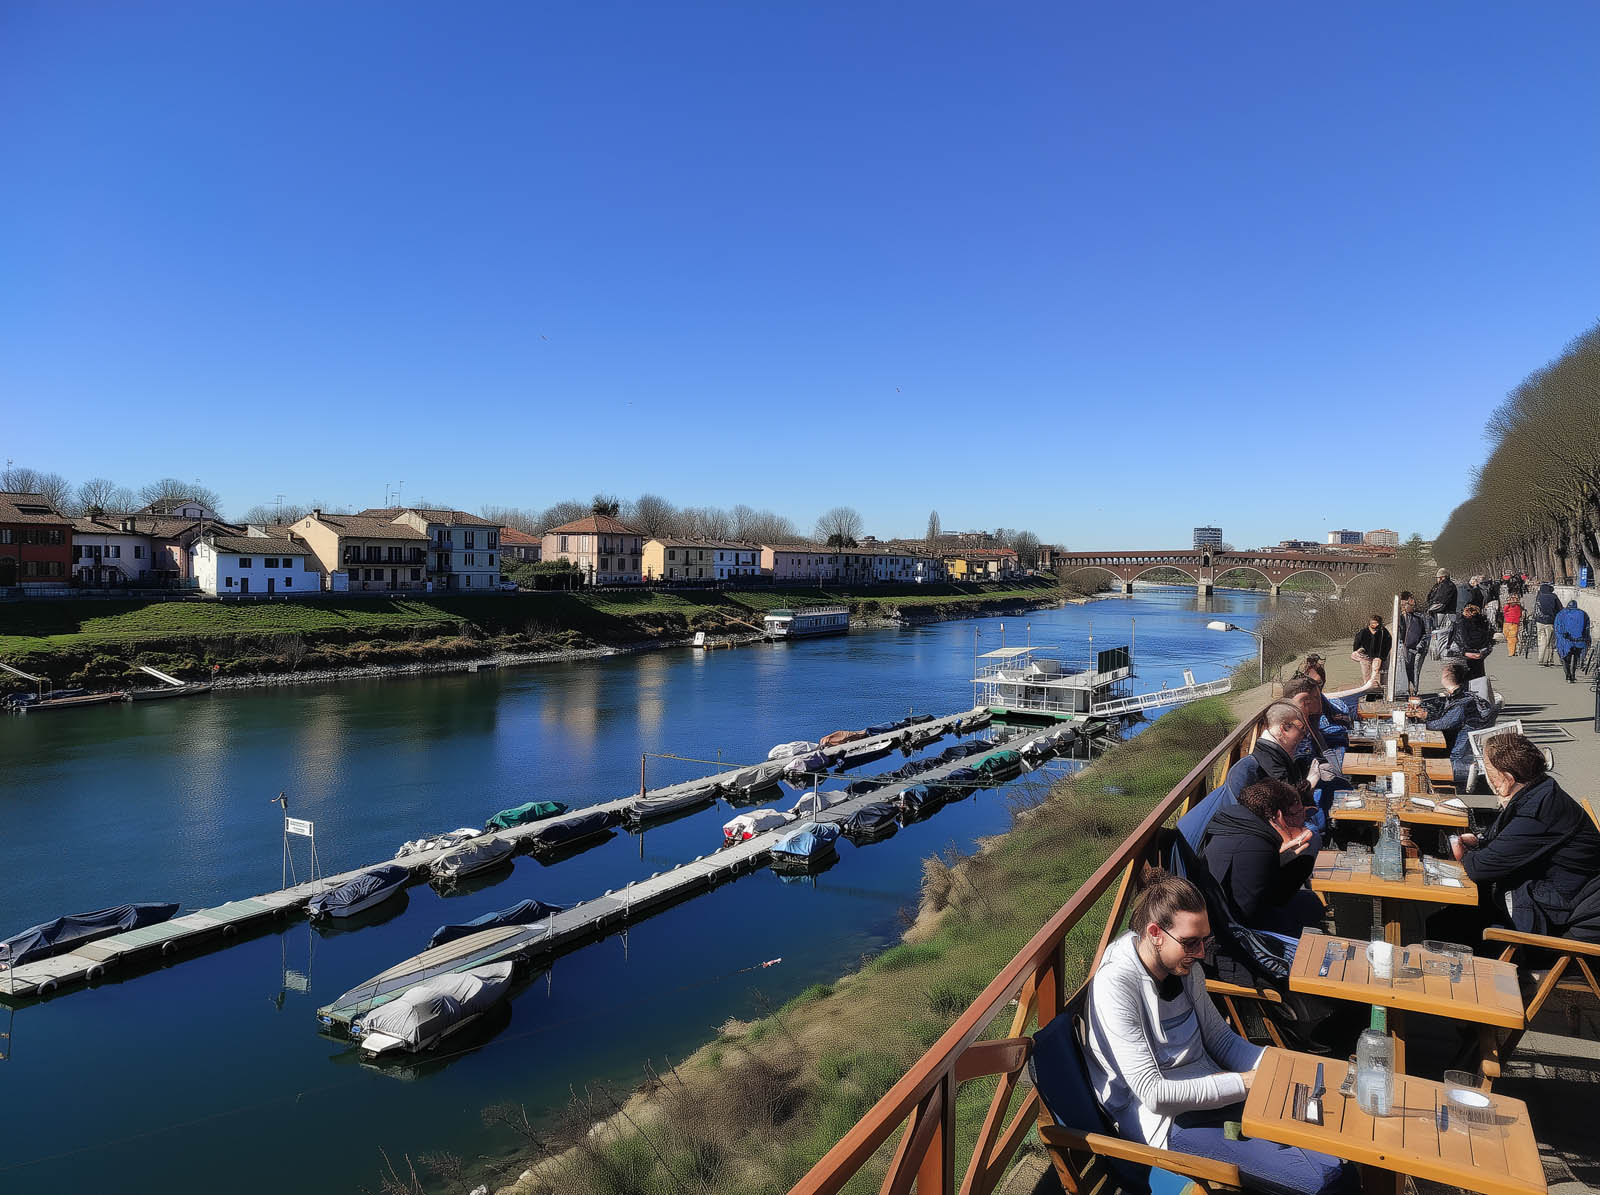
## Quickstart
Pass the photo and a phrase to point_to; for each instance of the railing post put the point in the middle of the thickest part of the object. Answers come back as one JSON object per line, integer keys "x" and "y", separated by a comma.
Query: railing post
{"x": 937, "y": 1174}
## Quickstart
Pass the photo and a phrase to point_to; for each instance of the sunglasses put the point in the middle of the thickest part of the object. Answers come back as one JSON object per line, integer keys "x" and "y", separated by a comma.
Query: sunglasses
{"x": 1194, "y": 946}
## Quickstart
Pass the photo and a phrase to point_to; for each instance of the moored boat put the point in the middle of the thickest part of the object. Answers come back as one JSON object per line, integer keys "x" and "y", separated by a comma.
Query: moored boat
{"x": 193, "y": 690}
{"x": 648, "y": 809}
{"x": 811, "y": 804}
{"x": 871, "y": 823}
{"x": 452, "y": 838}
{"x": 806, "y": 621}
{"x": 809, "y": 846}
{"x": 77, "y": 929}
{"x": 788, "y": 750}
{"x": 521, "y": 815}
{"x": 570, "y": 831}
{"x": 524, "y": 912}
{"x": 748, "y": 825}
{"x": 469, "y": 858}
{"x": 753, "y": 780}
{"x": 423, "y": 1016}
{"x": 363, "y": 892}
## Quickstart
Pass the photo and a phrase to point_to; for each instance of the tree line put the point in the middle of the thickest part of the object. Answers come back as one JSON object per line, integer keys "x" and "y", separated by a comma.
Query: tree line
{"x": 100, "y": 495}
{"x": 1535, "y": 502}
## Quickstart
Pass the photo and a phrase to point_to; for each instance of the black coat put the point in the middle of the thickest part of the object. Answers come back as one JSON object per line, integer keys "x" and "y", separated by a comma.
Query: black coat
{"x": 1545, "y": 851}
{"x": 1375, "y": 643}
{"x": 1547, "y": 605}
{"x": 1241, "y": 851}
{"x": 1443, "y": 596}
{"x": 1467, "y": 594}
{"x": 1275, "y": 763}
{"x": 1471, "y": 634}
{"x": 1413, "y": 631}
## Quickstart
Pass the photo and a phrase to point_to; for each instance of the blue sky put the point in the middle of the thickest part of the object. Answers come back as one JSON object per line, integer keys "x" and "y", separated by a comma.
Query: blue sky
{"x": 1105, "y": 271}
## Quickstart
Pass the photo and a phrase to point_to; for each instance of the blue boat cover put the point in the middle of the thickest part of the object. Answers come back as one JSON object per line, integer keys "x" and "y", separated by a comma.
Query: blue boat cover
{"x": 524, "y": 912}
{"x": 62, "y": 934}
{"x": 883, "y": 727}
{"x": 572, "y": 829}
{"x": 810, "y": 839}
{"x": 390, "y": 875}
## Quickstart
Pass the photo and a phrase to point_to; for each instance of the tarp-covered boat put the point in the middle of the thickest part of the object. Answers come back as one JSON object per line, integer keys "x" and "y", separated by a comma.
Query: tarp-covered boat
{"x": 810, "y": 804}
{"x": 753, "y": 780}
{"x": 647, "y": 809}
{"x": 806, "y": 847}
{"x": 424, "y": 1015}
{"x": 872, "y": 823}
{"x": 868, "y": 784}
{"x": 960, "y": 783}
{"x": 359, "y": 894}
{"x": 65, "y": 933}
{"x": 974, "y": 722}
{"x": 961, "y": 750}
{"x": 748, "y": 825}
{"x": 917, "y": 719}
{"x": 524, "y": 912}
{"x": 437, "y": 841}
{"x": 789, "y": 750}
{"x": 1000, "y": 765}
{"x": 472, "y": 857}
{"x": 857, "y": 756}
{"x": 882, "y": 728}
{"x": 800, "y": 765}
{"x": 917, "y": 800}
{"x": 921, "y": 736}
{"x": 521, "y": 815}
{"x": 840, "y": 737}
{"x": 559, "y": 835}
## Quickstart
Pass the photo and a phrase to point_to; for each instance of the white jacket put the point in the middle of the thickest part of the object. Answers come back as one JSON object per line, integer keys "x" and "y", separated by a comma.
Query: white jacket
{"x": 1150, "y": 1059}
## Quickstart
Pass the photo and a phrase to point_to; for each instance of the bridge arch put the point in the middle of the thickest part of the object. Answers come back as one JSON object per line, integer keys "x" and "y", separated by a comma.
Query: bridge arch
{"x": 1362, "y": 576}
{"x": 1170, "y": 567}
{"x": 1242, "y": 568}
{"x": 1316, "y": 572}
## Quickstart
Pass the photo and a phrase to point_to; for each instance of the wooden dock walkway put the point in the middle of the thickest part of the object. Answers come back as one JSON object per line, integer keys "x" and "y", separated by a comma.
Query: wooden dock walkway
{"x": 592, "y": 919}
{"x": 207, "y": 928}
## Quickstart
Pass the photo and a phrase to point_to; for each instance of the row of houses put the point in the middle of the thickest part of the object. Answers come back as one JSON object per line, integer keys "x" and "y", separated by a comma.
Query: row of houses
{"x": 183, "y": 544}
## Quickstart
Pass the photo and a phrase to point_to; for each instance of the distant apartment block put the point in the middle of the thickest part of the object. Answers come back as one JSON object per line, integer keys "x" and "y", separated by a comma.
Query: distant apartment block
{"x": 605, "y": 550}
{"x": 1383, "y": 538}
{"x": 463, "y": 551}
{"x": 1207, "y": 537}
{"x": 1344, "y": 537}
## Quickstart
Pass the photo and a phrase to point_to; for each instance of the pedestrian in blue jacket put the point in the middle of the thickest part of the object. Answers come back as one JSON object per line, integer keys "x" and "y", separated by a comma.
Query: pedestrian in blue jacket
{"x": 1572, "y": 638}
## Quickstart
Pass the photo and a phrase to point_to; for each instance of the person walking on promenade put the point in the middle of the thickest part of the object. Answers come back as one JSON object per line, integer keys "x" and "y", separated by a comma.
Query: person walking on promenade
{"x": 1468, "y": 594}
{"x": 1442, "y": 600}
{"x": 1513, "y": 613}
{"x": 1411, "y": 636}
{"x": 1545, "y": 608}
{"x": 1371, "y": 650}
{"x": 1572, "y": 638}
{"x": 1471, "y": 640}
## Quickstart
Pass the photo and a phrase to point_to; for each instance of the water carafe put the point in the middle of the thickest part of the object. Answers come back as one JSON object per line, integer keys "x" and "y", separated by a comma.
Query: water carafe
{"x": 1375, "y": 1067}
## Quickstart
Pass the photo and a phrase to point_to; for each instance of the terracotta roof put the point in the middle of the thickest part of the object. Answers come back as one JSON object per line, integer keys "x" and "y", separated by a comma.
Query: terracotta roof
{"x": 593, "y": 524}
{"x": 370, "y": 526}
{"x": 726, "y": 545}
{"x": 510, "y": 536}
{"x": 29, "y": 508}
{"x": 455, "y": 518}
{"x": 258, "y": 545}
{"x": 980, "y": 553}
{"x": 165, "y": 506}
{"x": 105, "y": 525}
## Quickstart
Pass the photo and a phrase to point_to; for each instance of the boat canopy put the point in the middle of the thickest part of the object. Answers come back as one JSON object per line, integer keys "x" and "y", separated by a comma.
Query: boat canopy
{"x": 748, "y": 825}
{"x": 786, "y": 750}
{"x": 999, "y": 763}
{"x": 840, "y": 737}
{"x": 421, "y": 1014}
{"x": 872, "y": 821}
{"x": 64, "y": 933}
{"x": 524, "y": 912}
{"x": 807, "y": 842}
{"x": 354, "y": 891}
{"x": 521, "y": 815}
{"x": 916, "y": 799}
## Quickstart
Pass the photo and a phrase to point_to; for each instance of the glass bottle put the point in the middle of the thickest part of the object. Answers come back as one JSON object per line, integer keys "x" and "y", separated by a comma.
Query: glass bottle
{"x": 1375, "y": 1067}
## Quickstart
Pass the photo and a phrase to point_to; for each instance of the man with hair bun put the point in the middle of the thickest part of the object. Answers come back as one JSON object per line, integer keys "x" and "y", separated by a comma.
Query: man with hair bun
{"x": 1163, "y": 1063}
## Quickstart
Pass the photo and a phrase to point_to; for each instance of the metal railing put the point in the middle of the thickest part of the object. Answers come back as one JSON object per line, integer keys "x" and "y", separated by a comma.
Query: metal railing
{"x": 922, "y": 1105}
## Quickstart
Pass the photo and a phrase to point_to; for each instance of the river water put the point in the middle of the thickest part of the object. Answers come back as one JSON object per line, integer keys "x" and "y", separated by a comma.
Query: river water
{"x": 210, "y": 1074}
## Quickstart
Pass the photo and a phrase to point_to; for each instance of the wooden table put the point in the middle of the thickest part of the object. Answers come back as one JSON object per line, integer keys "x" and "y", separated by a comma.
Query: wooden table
{"x": 1487, "y": 993}
{"x": 1363, "y": 763}
{"x": 1379, "y": 709}
{"x": 1495, "y": 1159}
{"x": 1421, "y": 739}
{"x": 1377, "y": 806}
{"x": 1329, "y": 878}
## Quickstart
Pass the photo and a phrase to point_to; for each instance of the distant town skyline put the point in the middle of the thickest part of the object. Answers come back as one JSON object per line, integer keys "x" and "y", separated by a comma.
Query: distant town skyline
{"x": 1032, "y": 267}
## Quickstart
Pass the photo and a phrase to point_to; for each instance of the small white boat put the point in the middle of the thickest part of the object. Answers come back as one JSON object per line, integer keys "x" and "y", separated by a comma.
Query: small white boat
{"x": 786, "y": 750}
{"x": 811, "y": 804}
{"x": 423, "y": 1016}
{"x": 747, "y": 825}
{"x": 438, "y": 841}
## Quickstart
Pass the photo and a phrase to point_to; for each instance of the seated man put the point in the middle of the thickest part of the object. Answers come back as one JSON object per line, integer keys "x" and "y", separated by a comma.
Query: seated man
{"x": 1257, "y": 852}
{"x": 1323, "y": 774}
{"x": 1542, "y": 854}
{"x": 1456, "y": 711}
{"x": 1273, "y": 759}
{"x": 1164, "y": 1064}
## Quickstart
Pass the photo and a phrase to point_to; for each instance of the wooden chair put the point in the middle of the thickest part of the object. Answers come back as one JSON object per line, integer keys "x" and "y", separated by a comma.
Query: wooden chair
{"x": 1084, "y": 1149}
{"x": 1567, "y": 952}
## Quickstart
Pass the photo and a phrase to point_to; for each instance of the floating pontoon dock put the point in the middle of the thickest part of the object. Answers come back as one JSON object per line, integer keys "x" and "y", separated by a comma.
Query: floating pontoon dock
{"x": 210, "y": 927}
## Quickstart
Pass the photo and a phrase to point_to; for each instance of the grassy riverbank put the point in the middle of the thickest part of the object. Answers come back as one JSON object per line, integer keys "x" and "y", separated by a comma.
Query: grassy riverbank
{"x": 753, "y": 1109}
{"x": 97, "y": 643}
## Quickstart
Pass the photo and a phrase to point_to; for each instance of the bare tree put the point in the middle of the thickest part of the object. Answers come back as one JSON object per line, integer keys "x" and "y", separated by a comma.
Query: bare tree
{"x": 840, "y": 527}
{"x": 516, "y": 517}
{"x": 562, "y": 512}
{"x": 102, "y": 496}
{"x": 652, "y": 515}
{"x": 762, "y": 527}
{"x": 1026, "y": 544}
{"x": 168, "y": 488}
{"x": 605, "y": 504}
{"x": 278, "y": 512}
{"x": 934, "y": 530}
{"x": 705, "y": 522}
{"x": 17, "y": 479}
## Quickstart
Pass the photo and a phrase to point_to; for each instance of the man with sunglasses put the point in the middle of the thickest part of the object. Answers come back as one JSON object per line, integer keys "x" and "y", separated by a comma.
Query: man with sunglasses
{"x": 1163, "y": 1063}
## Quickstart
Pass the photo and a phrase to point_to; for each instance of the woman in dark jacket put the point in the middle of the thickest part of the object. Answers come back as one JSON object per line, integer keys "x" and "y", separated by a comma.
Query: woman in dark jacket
{"x": 1371, "y": 650}
{"x": 1258, "y": 852}
{"x": 1472, "y": 639}
{"x": 1541, "y": 858}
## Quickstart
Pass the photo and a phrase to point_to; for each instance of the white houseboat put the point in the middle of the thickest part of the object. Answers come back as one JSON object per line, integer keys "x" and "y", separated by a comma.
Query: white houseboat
{"x": 812, "y": 620}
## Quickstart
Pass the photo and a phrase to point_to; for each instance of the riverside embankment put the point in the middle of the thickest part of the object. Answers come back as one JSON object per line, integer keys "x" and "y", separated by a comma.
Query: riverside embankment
{"x": 99, "y": 644}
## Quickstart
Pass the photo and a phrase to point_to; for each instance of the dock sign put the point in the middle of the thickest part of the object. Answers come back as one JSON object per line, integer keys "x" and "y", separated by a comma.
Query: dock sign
{"x": 296, "y": 825}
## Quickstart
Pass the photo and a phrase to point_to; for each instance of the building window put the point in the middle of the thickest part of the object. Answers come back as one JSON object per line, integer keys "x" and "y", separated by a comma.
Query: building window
{"x": 491, "y": 559}
{"x": 563, "y": 543}
{"x": 244, "y": 562}
{"x": 138, "y": 552}
{"x": 472, "y": 539}
{"x": 270, "y": 562}
{"x": 416, "y": 574}
{"x": 5, "y": 535}
{"x": 229, "y": 582}
{"x": 288, "y": 582}
{"x": 491, "y": 539}
{"x": 470, "y": 559}
{"x": 468, "y": 582}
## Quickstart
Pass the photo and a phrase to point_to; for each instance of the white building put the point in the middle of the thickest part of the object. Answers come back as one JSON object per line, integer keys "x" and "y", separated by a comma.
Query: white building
{"x": 237, "y": 564}
{"x": 107, "y": 552}
{"x": 737, "y": 560}
{"x": 1383, "y": 538}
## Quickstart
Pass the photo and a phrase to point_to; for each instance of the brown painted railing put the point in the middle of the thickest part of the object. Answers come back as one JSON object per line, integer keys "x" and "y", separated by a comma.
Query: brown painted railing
{"x": 924, "y": 1099}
